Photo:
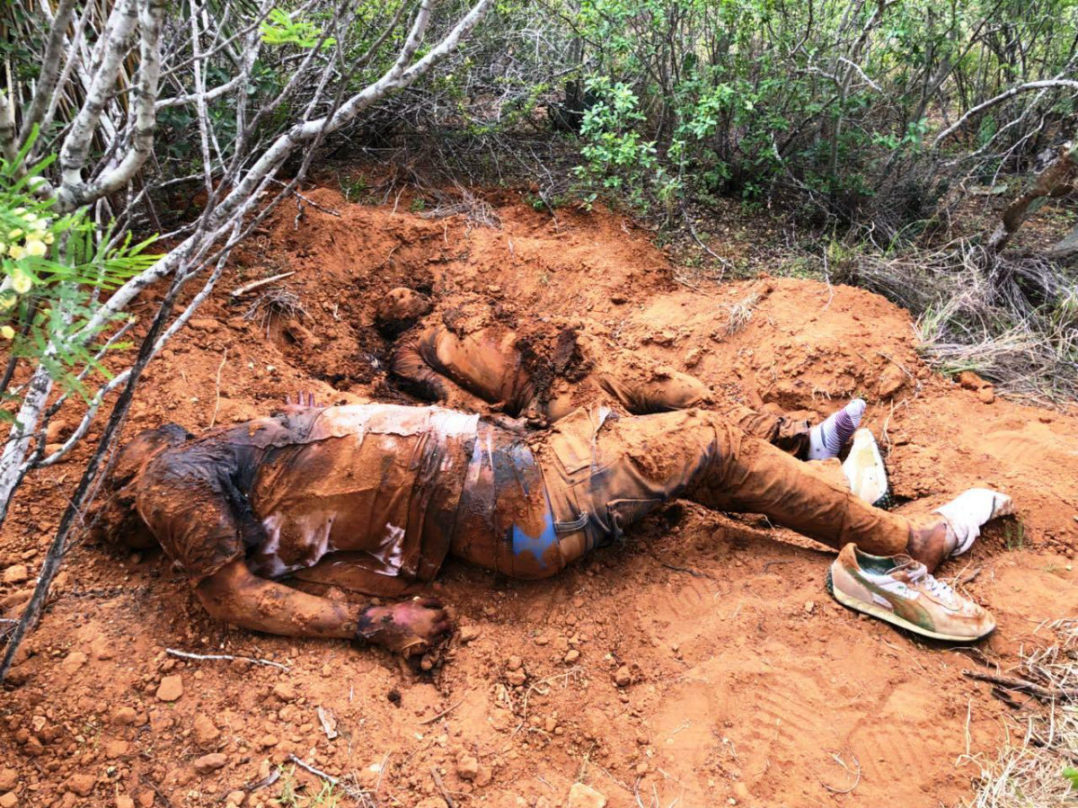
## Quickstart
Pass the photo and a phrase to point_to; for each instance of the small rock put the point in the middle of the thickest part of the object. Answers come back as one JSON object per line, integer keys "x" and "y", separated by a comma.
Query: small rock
{"x": 16, "y": 574}
{"x": 210, "y": 763}
{"x": 100, "y": 648}
{"x": 692, "y": 357}
{"x": 516, "y": 678}
{"x": 572, "y": 656}
{"x": 891, "y": 381}
{"x": 72, "y": 662}
{"x": 987, "y": 394}
{"x": 117, "y": 748}
{"x": 467, "y": 767}
{"x": 284, "y": 691}
{"x": 623, "y": 677}
{"x": 582, "y": 796}
{"x": 171, "y": 688}
{"x": 124, "y": 801}
{"x": 203, "y": 324}
{"x": 235, "y": 797}
{"x": 468, "y": 634}
{"x": 810, "y": 606}
{"x": 145, "y": 798}
{"x": 970, "y": 380}
{"x": 741, "y": 791}
{"x": 268, "y": 741}
{"x": 9, "y": 800}
{"x": 8, "y": 779}
{"x": 431, "y": 802}
{"x": 514, "y": 663}
{"x": 205, "y": 730}
{"x": 124, "y": 716}
{"x": 82, "y": 784}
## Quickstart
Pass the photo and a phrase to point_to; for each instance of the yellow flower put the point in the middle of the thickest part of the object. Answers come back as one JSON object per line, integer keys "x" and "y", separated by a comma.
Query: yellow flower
{"x": 36, "y": 248}
{"x": 14, "y": 234}
{"x": 20, "y": 281}
{"x": 17, "y": 251}
{"x": 48, "y": 238}
{"x": 7, "y": 332}
{"x": 7, "y": 300}
{"x": 3, "y": 248}
{"x": 19, "y": 211}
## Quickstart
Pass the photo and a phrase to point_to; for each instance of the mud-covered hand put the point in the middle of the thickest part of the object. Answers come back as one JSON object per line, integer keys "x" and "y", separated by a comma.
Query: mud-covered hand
{"x": 410, "y": 628}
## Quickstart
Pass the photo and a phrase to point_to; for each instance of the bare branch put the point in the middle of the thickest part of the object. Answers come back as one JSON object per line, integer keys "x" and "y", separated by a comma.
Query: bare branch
{"x": 999, "y": 99}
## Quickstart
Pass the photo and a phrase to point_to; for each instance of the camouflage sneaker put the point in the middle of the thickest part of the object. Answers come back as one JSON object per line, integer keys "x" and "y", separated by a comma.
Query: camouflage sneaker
{"x": 900, "y": 590}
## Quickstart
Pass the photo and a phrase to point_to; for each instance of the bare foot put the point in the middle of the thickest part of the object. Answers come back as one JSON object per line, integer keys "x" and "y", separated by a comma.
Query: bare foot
{"x": 410, "y": 628}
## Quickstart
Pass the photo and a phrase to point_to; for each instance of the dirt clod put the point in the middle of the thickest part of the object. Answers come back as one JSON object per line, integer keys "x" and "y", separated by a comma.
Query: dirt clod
{"x": 210, "y": 763}
{"x": 284, "y": 691}
{"x": 582, "y": 796}
{"x": 171, "y": 688}
{"x": 16, "y": 574}
{"x": 72, "y": 662}
{"x": 81, "y": 783}
{"x": 469, "y": 633}
{"x": 9, "y": 800}
{"x": 623, "y": 677}
{"x": 8, "y": 779}
{"x": 124, "y": 801}
{"x": 467, "y": 767}
{"x": 205, "y": 731}
{"x": 124, "y": 716}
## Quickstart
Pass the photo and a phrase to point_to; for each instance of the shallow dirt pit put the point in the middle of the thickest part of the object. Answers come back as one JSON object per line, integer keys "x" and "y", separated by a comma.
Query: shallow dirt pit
{"x": 702, "y": 662}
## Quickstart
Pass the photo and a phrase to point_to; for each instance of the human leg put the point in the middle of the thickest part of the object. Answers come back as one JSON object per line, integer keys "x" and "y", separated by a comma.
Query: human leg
{"x": 615, "y": 472}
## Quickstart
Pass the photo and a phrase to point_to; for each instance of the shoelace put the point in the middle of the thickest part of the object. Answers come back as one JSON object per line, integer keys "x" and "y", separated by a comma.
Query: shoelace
{"x": 935, "y": 587}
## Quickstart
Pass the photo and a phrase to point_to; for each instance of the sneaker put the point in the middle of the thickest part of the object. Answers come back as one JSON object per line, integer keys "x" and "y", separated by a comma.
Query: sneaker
{"x": 865, "y": 471}
{"x": 901, "y": 591}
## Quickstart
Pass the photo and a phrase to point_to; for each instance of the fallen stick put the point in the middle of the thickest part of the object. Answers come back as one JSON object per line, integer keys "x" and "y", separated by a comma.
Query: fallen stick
{"x": 1024, "y": 686}
{"x": 240, "y": 291}
{"x": 226, "y": 657}
{"x": 307, "y": 767}
{"x": 441, "y": 787}
{"x": 444, "y": 712}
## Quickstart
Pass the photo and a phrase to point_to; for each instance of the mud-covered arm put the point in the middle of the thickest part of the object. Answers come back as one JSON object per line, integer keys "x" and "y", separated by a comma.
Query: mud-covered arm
{"x": 444, "y": 375}
{"x": 236, "y": 595}
{"x": 644, "y": 389}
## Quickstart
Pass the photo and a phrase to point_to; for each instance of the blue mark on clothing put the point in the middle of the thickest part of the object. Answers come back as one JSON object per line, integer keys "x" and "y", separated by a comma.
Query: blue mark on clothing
{"x": 536, "y": 545}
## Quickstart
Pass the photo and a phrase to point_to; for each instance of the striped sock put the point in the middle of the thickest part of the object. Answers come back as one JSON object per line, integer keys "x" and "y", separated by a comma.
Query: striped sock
{"x": 826, "y": 438}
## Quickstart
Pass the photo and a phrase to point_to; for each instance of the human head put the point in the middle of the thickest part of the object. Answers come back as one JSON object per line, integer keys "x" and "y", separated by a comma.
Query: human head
{"x": 118, "y": 521}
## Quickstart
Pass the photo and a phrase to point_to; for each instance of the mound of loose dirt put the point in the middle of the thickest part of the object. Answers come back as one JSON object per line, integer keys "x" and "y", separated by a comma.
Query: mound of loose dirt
{"x": 703, "y": 662}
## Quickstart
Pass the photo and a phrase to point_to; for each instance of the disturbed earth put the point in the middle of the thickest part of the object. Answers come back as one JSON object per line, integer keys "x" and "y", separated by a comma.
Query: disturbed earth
{"x": 700, "y": 664}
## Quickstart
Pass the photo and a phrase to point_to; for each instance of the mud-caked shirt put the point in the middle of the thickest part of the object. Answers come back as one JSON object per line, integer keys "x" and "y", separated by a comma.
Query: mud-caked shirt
{"x": 382, "y": 481}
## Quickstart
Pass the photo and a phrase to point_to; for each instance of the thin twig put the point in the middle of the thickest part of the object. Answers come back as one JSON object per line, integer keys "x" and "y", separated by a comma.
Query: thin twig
{"x": 857, "y": 775}
{"x": 441, "y": 787}
{"x": 217, "y": 388}
{"x": 240, "y": 291}
{"x": 444, "y": 712}
{"x": 225, "y": 657}
{"x": 1046, "y": 694}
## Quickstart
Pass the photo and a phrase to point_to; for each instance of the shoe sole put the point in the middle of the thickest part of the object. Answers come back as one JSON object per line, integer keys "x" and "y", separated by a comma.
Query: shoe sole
{"x": 880, "y": 613}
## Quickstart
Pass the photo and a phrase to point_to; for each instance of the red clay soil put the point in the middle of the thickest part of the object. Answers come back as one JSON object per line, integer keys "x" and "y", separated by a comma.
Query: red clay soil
{"x": 701, "y": 663}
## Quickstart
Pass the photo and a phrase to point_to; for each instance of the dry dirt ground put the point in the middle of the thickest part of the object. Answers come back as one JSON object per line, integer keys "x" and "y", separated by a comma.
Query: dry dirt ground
{"x": 700, "y": 664}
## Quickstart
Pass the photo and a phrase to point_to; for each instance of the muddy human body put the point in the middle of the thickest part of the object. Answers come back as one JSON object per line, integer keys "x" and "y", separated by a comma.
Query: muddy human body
{"x": 393, "y": 490}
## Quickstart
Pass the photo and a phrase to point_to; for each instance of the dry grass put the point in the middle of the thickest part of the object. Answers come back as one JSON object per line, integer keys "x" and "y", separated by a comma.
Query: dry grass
{"x": 277, "y": 303}
{"x": 1012, "y": 320}
{"x": 1029, "y": 774}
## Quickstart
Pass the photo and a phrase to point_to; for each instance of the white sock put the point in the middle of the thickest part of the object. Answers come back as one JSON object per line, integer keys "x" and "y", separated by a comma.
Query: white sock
{"x": 826, "y": 438}
{"x": 969, "y": 510}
